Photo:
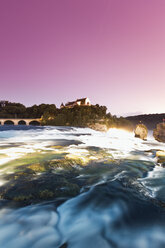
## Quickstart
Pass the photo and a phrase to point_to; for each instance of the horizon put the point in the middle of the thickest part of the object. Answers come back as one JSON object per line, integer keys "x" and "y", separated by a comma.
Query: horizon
{"x": 109, "y": 51}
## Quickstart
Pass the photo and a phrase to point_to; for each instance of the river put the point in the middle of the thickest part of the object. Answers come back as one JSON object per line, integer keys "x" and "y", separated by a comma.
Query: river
{"x": 119, "y": 189}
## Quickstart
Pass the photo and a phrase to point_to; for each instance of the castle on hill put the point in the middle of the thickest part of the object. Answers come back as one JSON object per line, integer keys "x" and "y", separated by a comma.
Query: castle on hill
{"x": 79, "y": 102}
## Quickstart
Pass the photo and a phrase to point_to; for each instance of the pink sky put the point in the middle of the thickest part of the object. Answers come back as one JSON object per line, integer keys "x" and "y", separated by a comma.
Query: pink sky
{"x": 112, "y": 51}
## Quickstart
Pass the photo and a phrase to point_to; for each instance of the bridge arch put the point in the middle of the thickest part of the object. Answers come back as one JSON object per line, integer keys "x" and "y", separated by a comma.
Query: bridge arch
{"x": 8, "y": 122}
{"x": 34, "y": 123}
{"x": 22, "y": 122}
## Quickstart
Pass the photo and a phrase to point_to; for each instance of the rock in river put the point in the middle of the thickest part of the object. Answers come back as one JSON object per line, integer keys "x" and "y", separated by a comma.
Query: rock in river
{"x": 159, "y": 132}
{"x": 141, "y": 131}
{"x": 98, "y": 127}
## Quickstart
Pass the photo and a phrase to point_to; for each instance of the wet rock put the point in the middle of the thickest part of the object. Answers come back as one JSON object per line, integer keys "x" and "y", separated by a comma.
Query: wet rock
{"x": 141, "y": 131}
{"x": 68, "y": 163}
{"x": 159, "y": 132}
{"x": 63, "y": 246}
{"x": 98, "y": 127}
{"x": 160, "y": 157}
{"x": 37, "y": 167}
{"x": 46, "y": 194}
{"x": 42, "y": 187}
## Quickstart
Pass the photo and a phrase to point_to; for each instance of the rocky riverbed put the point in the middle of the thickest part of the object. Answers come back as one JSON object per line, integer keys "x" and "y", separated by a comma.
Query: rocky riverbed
{"x": 76, "y": 187}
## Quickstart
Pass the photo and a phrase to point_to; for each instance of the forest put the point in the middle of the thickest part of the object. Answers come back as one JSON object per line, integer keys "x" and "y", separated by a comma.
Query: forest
{"x": 80, "y": 116}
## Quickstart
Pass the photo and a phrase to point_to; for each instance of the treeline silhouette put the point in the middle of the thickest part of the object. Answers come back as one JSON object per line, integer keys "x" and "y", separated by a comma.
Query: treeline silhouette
{"x": 150, "y": 120}
{"x": 82, "y": 116}
{"x": 77, "y": 116}
{"x": 18, "y": 110}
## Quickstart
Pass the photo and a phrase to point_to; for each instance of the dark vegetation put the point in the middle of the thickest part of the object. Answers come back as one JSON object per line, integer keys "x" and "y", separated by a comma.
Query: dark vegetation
{"x": 18, "y": 110}
{"x": 80, "y": 116}
{"x": 150, "y": 120}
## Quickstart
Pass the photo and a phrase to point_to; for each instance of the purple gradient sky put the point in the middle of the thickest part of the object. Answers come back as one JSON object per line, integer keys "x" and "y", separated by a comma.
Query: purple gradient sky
{"x": 112, "y": 51}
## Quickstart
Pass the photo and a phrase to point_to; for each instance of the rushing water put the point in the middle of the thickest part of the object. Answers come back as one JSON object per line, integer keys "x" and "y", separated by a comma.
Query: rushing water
{"x": 121, "y": 203}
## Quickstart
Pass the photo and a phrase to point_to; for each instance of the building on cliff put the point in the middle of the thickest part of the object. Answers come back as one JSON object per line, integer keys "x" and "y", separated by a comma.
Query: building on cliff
{"x": 78, "y": 102}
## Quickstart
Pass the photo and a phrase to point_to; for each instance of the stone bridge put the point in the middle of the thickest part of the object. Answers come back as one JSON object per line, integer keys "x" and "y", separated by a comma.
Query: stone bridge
{"x": 10, "y": 121}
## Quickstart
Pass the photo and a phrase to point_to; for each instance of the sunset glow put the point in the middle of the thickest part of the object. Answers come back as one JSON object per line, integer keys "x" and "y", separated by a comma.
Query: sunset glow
{"x": 110, "y": 51}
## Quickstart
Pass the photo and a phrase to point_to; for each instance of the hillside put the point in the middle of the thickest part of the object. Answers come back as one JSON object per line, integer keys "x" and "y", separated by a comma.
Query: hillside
{"x": 150, "y": 120}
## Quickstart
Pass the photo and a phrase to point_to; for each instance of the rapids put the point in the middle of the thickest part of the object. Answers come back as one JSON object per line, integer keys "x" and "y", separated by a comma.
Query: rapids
{"x": 121, "y": 202}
